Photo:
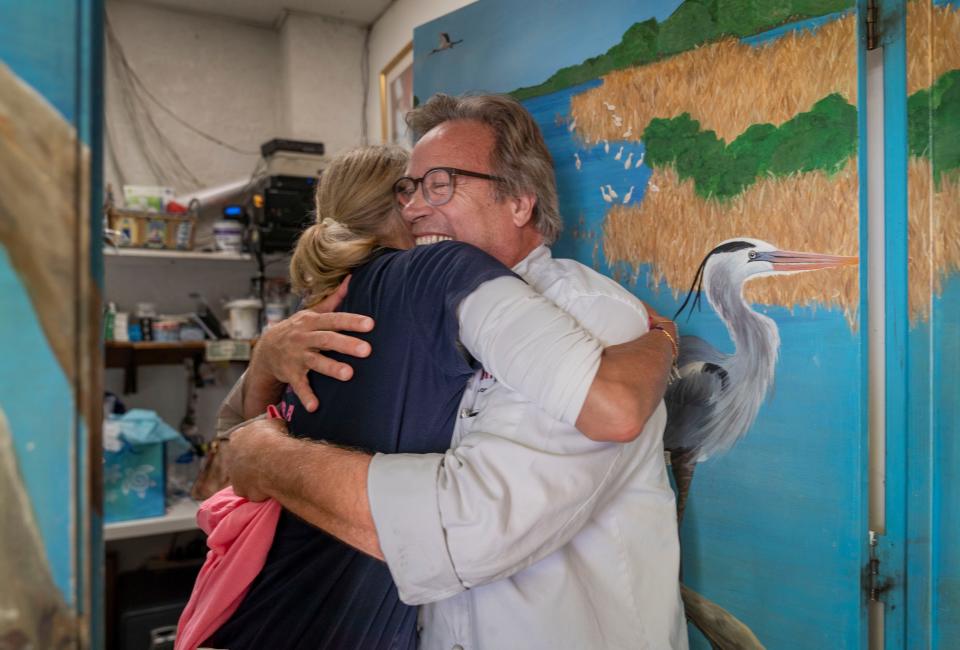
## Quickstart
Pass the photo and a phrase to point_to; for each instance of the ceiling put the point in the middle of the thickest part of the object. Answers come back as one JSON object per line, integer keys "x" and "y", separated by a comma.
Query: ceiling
{"x": 270, "y": 13}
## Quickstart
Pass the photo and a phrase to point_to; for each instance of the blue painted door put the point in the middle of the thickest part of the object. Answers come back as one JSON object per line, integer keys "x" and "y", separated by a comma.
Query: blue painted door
{"x": 695, "y": 131}
{"x": 50, "y": 291}
{"x": 929, "y": 556}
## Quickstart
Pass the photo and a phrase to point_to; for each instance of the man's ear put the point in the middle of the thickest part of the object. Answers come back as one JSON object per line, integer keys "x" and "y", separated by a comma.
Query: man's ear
{"x": 521, "y": 208}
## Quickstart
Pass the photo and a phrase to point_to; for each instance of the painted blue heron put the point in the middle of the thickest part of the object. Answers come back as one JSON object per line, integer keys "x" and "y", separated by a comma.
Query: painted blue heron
{"x": 718, "y": 395}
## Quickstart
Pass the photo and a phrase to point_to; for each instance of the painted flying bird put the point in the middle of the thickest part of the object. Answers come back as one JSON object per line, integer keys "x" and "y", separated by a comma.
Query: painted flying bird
{"x": 717, "y": 397}
{"x": 445, "y": 43}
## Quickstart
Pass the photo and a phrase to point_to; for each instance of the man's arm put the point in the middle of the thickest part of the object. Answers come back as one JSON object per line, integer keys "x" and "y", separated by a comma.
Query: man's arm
{"x": 545, "y": 354}
{"x": 629, "y": 385}
{"x": 320, "y": 483}
{"x": 291, "y": 348}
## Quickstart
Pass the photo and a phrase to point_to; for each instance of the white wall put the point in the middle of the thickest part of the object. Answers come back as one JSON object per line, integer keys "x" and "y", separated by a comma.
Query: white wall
{"x": 242, "y": 83}
{"x": 219, "y": 75}
{"x": 322, "y": 80}
{"x": 389, "y": 34}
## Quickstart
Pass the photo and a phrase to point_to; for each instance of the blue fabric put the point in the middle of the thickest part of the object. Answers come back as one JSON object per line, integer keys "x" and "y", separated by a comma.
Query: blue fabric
{"x": 316, "y": 592}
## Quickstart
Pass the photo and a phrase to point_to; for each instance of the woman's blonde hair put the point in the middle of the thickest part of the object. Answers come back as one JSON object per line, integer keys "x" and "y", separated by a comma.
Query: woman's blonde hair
{"x": 356, "y": 209}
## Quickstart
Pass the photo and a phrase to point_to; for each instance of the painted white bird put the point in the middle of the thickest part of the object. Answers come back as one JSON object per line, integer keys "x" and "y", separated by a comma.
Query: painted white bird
{"x": 445, "y": 43}
{"x": 653, "y": 187}
{"x": 573, "y": 125}
{"x": 628, "y": 195}
{"x": 606, "y": 147}
{"x": 629, "y": 161}
{"x": 619, "y": 154}
{"x": 606, "y": 197}
{"x": 613, "y": 195}
{"x": 576, "y": 158}
{"x": 610, "y": 107}
{"x": 640, "y": 160}
{"x": 628, "y": 132}
{"x": 617, "y": 121}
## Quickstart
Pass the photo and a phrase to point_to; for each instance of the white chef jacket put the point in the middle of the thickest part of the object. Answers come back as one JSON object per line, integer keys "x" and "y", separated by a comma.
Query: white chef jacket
{"x": 526, "y": 534}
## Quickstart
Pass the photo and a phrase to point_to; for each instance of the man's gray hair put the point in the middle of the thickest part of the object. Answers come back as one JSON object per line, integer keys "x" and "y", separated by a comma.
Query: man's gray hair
{"x": 520, "y": 156}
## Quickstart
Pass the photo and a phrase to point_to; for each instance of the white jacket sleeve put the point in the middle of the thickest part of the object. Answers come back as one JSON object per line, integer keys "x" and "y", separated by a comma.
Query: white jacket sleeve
{"x": 530, "y": 345}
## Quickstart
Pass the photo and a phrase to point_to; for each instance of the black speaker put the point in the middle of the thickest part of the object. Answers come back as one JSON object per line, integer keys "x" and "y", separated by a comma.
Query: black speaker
{"x": 287, "y": 209}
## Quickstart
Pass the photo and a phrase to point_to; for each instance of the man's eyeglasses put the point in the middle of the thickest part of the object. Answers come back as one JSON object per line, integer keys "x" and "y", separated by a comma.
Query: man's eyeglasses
{"x": 438, "y": 185}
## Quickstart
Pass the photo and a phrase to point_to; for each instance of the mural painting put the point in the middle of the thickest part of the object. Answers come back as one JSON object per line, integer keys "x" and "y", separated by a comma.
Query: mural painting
{"x": 708, "y": 158}
{"x": 933, "y": 305}
{"x": 50, "y": 301}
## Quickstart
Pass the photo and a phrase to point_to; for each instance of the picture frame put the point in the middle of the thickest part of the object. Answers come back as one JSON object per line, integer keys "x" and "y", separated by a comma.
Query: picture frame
{"x": 396, "y": 97}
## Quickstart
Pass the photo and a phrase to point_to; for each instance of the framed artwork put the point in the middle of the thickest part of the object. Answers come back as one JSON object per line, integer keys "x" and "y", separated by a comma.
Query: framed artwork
{"x": 396, "y": 97}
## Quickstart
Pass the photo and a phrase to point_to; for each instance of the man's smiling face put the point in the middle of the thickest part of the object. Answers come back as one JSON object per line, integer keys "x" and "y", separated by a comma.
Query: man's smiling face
{"x": 474, "y": 214}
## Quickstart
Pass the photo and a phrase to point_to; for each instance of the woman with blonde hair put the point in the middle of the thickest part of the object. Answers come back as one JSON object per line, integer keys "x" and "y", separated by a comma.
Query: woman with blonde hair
{"x": 314, "y": 591}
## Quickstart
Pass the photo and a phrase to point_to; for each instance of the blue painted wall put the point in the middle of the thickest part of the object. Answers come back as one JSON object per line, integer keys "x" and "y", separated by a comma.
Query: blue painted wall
{"x": 55, "y": 48}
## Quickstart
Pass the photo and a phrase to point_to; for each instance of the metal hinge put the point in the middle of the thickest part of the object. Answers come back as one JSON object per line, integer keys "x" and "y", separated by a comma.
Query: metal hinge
{"x": 872, "y": 34}
{"x": 874, "y": 584}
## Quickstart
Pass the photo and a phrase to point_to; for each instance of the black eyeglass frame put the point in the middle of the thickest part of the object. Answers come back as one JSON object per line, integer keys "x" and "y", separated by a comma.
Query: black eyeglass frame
{"x": 452, "y": 171}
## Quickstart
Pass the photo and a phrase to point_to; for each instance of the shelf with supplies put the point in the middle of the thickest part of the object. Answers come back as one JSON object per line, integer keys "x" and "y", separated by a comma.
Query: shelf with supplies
{"x": 169, "y": 254}
{"x": 181, "y": 516}
{"x": 130, "y": 355}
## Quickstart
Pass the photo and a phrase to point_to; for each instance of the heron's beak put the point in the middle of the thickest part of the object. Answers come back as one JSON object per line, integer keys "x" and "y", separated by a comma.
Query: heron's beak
{"x": 796, "y": 261}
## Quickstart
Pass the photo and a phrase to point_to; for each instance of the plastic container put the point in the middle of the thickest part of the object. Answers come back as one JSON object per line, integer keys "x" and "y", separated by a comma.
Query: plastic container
{"x": 244, "y": 318}
{"x": 274, "y": 313}
{"x": 228, "y": 235}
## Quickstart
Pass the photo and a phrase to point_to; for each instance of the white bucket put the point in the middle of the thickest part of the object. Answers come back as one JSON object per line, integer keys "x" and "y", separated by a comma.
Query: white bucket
{"x": 244, "y": 318}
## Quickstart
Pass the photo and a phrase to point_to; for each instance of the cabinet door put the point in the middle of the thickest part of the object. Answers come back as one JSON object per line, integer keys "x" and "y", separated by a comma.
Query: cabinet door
{"x": 50, "y": 550}
{"x": 932, "y": 322}
{"x": 682, "y": 128}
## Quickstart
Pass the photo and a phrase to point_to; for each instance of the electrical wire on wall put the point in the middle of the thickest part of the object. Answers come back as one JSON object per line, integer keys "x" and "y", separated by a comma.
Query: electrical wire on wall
{"x": 365, "y": 85}
{"x": 137, "y": 102}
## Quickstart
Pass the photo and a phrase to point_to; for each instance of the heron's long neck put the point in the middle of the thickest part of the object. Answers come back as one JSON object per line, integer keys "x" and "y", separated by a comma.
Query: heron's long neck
{"x": 755, "y": 337}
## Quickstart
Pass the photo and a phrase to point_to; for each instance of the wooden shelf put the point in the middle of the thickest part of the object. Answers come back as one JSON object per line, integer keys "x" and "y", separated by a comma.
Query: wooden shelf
{"x": 156, "y": 253}
{"x": 131, "y": 355}
{"x": 180, "y": 516}
{"x": 146, "y": 353}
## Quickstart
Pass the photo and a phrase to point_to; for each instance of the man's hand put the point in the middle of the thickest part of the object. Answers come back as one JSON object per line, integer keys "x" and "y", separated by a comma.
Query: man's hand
{"x": 291, "y": 348}
{"x": 243, "y": 456}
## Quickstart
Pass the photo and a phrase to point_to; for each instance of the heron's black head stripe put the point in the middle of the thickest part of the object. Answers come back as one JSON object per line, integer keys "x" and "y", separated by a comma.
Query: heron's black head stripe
{"x": 730, "y": 247}
{"x": 697, "y": 286}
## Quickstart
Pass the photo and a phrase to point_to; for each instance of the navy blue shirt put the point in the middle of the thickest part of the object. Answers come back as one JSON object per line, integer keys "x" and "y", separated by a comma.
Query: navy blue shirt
{"x": 314, "y": 591}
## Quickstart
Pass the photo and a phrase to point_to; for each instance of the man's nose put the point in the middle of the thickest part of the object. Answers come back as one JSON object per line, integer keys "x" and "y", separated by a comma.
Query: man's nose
{"x": 416, "y": 208}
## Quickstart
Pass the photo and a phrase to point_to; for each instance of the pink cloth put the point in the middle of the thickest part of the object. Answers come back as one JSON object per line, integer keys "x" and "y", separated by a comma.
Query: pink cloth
{"x": 239, "y": 535}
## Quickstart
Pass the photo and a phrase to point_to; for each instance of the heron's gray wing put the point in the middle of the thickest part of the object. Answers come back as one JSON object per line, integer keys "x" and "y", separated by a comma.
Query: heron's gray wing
{"x": 691, "y": 399}
{"x": 694, "y": 349}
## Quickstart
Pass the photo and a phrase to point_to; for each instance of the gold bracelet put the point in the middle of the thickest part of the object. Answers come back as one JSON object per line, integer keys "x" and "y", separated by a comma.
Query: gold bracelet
{"x": 673, "y": 341}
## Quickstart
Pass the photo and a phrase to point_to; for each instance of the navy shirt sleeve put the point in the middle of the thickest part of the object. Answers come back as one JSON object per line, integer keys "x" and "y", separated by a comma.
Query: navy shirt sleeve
{"x": 451, "y": 271}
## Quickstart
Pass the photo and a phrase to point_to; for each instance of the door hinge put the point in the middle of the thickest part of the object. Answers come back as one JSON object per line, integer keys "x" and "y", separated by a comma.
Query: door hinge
{"x": 872, "y": 35}
{"x": 875, "y": 584}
